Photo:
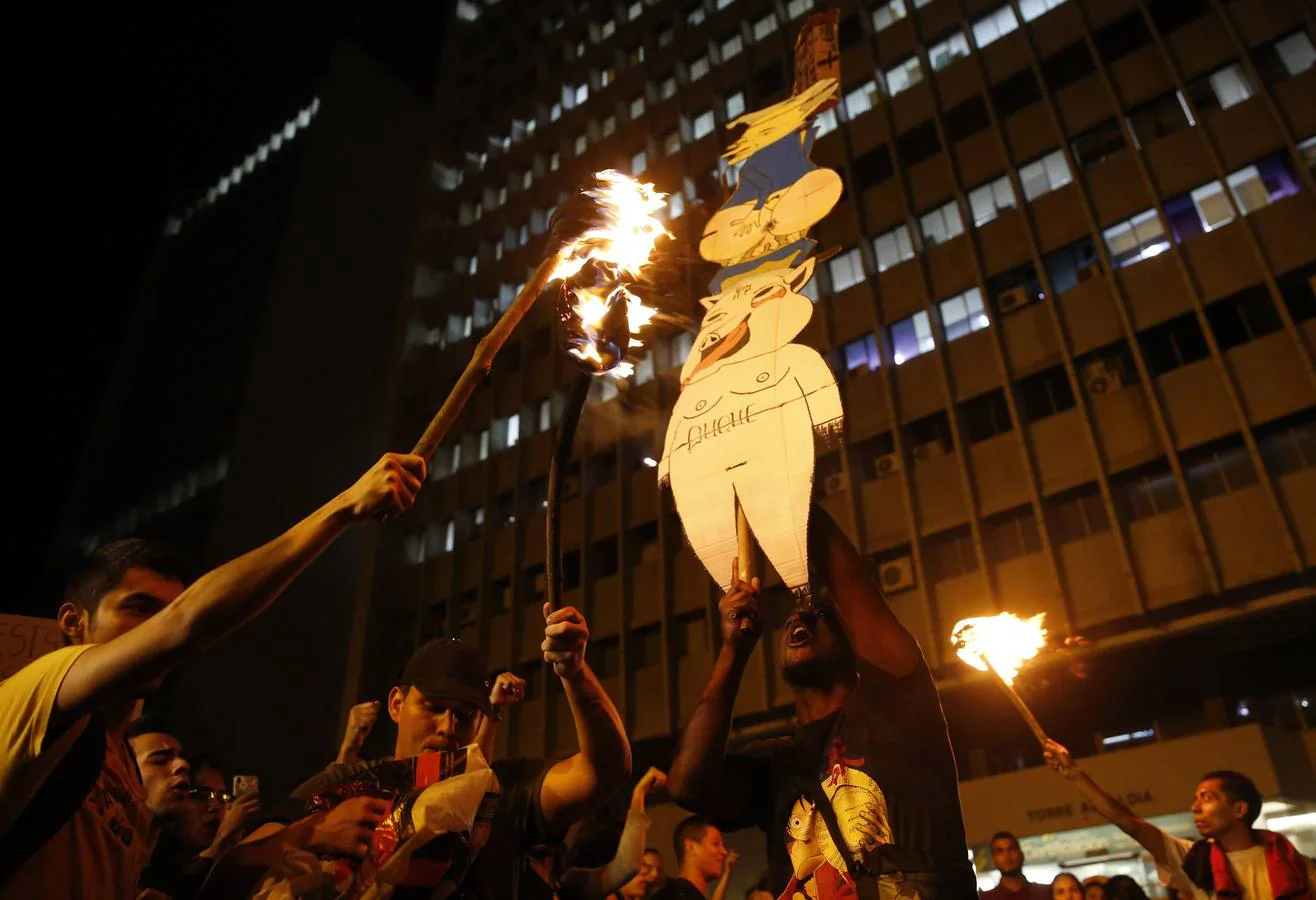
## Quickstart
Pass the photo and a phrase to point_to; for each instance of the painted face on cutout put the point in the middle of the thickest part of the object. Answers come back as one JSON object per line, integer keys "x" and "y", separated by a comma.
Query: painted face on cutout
{"x": 753, "y": 315}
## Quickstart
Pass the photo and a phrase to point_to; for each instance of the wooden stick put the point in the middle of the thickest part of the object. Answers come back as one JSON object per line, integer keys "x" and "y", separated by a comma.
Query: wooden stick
{"x": 1023, "y": 709}
{"x": 744, "y": 554}
{"x": 566, "y": 437}
{"x": 482, "y": 359}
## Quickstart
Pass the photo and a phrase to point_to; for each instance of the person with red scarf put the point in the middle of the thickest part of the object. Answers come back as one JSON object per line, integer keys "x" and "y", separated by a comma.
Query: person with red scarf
{"x": 1232, "y": 860}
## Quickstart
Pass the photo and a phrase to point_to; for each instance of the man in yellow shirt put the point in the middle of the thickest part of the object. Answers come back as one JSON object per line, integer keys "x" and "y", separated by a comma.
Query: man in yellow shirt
{"x": 74, "y": 820}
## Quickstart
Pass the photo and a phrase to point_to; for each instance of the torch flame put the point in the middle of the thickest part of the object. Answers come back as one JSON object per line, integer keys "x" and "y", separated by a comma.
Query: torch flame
{"x": 1001, "y": 643}
{"x": 620, "y": 246}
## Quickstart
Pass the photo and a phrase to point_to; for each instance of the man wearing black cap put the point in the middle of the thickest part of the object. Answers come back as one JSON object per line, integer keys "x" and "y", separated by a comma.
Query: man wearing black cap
{"x": 435, "y": 705}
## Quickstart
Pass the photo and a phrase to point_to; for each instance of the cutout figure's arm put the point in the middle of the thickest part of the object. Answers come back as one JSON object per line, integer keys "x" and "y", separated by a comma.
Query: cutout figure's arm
{"x": 665, "y": 463}
{"x": 819, "y": 387}
{"x": 873, "y": 629}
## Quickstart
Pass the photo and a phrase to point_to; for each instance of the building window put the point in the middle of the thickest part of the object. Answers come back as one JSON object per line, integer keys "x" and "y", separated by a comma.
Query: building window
{"x": 945, "y": 52}
{"x": 1010, "y": 536}
{"x": 637, "y": 107}
{"x": 703, "y": 124}
{"x": 941, "y": 224}
{"x": 918, "y": 144}
{"x": 1031, "y": 9}
{"x": 609, "y": 126}
{"x": 987, "y": 202}
{"x": 846, "y": 270}
{"x": 1173, "y": 344}
{"x": 907, "y": 74}
{"x": 634, "y": 11}
{"x": 1041, "y": 176}
{"x": 1156, "y": 118}
{"x": 666, "y": 36}
{"x": 1243, "y": 317}
{"x": 639, "y": 162}
{"x": 826, "y": 122}
{"x": 986, "y": 416}
{"x": 949, "y": 556}
{"x": 1219, "y": 469}
{"x": 796, "y": 8}
{"x": 1221, "y": 89}
{"x": 672, "y": 142}
{"x": 994, "y": 26}
{"x": 676, "y": 205}
{"x": 861, "y": 355}
{"x": 765, "y": 26}
{"x": 966, "y": 119}
{"x": 554, "y": 160}
{"x": 1096, "y": 144}
{"x": 888, "y": 14}
{"x": 731, "y": 47}
{"x": 1287, "y": 446}
{"x": 1263, "y": 183}
{"x": 545, "y": 415}
{"x": 735, "y": 105}
{"x": 1045, "y": 394}
{"x": 1076, "y": 515}
{"x": 893, "y": 247}
{"x": 699, "y": 67}
{"x": 1136, "y": 239}
{"x": 963, "y": 313}
{"x": 667, "y": 88}
{"x": 695, "y": 15}
{"x": 911, "y": 337}
{"x": 484, "y": 444}
{"x": 1287, "y": 57}
{"x": 860, "y": 100}
{"x": 581, "y": 143}
{"x": 1148, "y": 493}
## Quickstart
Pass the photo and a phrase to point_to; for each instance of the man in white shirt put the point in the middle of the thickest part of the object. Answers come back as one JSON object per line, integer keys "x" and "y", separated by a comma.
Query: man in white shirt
{"x": 1232, "y": 860}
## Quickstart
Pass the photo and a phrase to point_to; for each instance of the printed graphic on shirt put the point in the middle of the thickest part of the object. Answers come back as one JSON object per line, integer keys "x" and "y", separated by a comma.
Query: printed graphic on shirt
{"x": 820, "y": 870}
{"x": 118, "y": 805}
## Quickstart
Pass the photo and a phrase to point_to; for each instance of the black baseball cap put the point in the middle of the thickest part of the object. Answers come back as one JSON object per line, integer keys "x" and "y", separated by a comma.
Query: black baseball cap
{"x": 449, "y": 668}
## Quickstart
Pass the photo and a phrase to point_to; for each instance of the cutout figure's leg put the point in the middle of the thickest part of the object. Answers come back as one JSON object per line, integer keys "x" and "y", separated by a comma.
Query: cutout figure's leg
{"x": 804, "y": 203}
{"x": 707, "y": 506}
{"x": 774, "y": 490}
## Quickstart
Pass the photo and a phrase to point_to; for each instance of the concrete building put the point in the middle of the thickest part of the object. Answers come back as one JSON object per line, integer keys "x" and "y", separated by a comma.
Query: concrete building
{"x": 1073, "y": 319}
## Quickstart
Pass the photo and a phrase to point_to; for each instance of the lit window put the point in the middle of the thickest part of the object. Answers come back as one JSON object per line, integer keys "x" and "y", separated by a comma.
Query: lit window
{"x": 963, "y": 314}
{"x": 987, "y": 202}
{"x": 637, "y": 107}
{"x": 671, "y": 142}
{"x": 582, "y": 93}
{"x": 513, "y": 430}
{"x": 449, "y": 536}
{"x": 699, "y": 68}
{"x": 1230, "y": 86}
{"x": 861, "y": 355}
{"x": 582, "y": 143}
{"x": 606, "y": 77}
{"x": 723, "y": 4}
{"x": 545, "y": 415}
{"x": 826, "y": 122}
{"x": 554, "y": 161}
{"x": 675, "y": 205}
{"x": 666, "y": 36}
{"x": 731, "y": 47}
{"x": 846, "y": 270}
{"x": 1045, "y": 175}
{"x": 796, "y": 8}
{"x": 810, "y": 290}
{"x": 668, "y": 87}
{"x": 472, "y": 265}
{"x": 911, "y": 337}
{"x": 609, "y": 126}
{"x": 527, "y": 178}
{"x": 635, "y": 56}
{"x": 908, "y": 73}
{"x": 498, "y": 251}
{"x": 634, "y": 11}
{"x": 680, "y": 347}
{"x": 765, "y": 26}
{"x": 1212, "y": 205}
{"x": 860, "y": 100}
{"x": 703, "y": 124}
{"x": 608, "y": 30}
{"x": 1136, "y": 239}
{"x": 1253, "y": 189}
{"x": 696, "y": 15}
{"x": 484, "y": 444}
{"x": 1296, "y": 52}
{"x": 943, "y": 53}
{"x": 644, "y": 369}
{"x": 467, "y": 11}
{"x": 639, "y": 162}
{"x": 941, "y": 224}
{"x": 1031, "y": 9}
{"x": 893, "y": 248}
{"x": 735, "y": 105}
{"x": 555, "y": 112}
{"x": 888, "y": 14}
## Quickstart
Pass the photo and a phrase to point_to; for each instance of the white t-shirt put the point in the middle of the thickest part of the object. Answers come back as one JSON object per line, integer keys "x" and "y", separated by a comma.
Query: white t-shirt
{"x": 1248, "y": 866}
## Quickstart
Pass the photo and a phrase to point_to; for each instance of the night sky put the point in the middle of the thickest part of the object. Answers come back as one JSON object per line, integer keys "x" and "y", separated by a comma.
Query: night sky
{"x": 120, "y": 115}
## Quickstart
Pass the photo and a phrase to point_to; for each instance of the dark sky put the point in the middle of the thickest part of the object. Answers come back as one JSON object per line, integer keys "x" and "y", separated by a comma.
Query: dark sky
{"x": 121, "y": 116}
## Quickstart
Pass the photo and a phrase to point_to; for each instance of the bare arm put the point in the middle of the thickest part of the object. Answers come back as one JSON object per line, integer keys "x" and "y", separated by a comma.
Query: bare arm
{"x": 1149, "y": 836}
{"x": 225, "y": 598}
{"x": 577, "y": 784}
{"x": 720, "y": 889}
{"x": 873, "y": 629}
{"x": 508, "y": 689}
{"x": 360, "y": 721}
{"x": 699, "y": 779}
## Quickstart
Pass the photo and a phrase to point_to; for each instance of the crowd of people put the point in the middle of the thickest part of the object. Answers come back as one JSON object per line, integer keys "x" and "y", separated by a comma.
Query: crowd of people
{"x": 861, "y": 801}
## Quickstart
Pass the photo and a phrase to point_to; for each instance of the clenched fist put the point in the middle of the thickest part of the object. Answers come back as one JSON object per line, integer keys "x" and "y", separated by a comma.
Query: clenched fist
{"x": 507, "y": 689}
{"x": 387, "y": 490}
{"x": 346, "y": 830}
{"x": 738, "y": 611}
{"x": 565, "y": 637}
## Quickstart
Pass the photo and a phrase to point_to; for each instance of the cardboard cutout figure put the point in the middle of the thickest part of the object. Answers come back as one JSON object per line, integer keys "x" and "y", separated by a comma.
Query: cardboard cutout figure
{"x": 742, "y": 431}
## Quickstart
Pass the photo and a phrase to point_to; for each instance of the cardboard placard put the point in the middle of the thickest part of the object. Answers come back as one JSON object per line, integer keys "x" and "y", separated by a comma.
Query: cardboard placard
{"x": 25, "y": 638}
{"x": 818, "y": 52}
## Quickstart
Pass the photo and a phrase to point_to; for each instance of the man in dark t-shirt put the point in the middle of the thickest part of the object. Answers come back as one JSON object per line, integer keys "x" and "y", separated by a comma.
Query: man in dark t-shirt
{"x": 865, "y": 793}
{"x": 436, "y": 706}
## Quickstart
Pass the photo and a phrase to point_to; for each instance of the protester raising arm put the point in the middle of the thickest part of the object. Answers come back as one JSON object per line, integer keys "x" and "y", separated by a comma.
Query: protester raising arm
{"x": 361, "y": 720}
{"x": 699, "y": 779}
{"x": 575, "y": 785}
{"x": 229, "y": 596}
{"x": 1149, "y": 836}
{"x": 596, "y": 884}
{"x": 873, "y": 629}
{"x": 508, "y": 689}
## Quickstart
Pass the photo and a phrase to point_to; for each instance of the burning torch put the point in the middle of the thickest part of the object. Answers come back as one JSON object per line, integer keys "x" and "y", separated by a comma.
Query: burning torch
{"x": 599, "y": 311}
{"x": 1002, "y": 644}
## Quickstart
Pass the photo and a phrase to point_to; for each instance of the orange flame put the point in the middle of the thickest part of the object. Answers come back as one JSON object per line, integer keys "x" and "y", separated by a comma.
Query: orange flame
{"x": 1001, "y": 643}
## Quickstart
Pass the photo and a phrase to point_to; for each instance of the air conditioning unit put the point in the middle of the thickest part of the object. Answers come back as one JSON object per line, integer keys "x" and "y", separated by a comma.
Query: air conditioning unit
{"x": 834, "y": 483}
{"x": 570, "y": 486}
{"x": 1091, "y": 270}
{"x": 897, "y": 575}
{"x": 887, "y": 464}
{"x": 1102, "y": 377}
{"x": 930, "y": 450}
{"x": 1014, "y": 298}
